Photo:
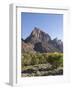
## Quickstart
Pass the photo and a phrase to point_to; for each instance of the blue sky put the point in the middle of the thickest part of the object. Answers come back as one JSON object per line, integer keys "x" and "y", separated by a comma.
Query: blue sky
{"x": 49, "y": 23}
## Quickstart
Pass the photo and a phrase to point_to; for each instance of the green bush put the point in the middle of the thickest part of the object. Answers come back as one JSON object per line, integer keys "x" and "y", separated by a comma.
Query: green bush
{"x": 26, "y": 59}
{"x": 55, "y": 59}
{"x": 34, "y": 60}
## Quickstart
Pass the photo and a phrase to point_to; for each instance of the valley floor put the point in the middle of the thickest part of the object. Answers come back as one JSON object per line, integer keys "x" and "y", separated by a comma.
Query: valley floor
{"x": 41, "y": 64}
{"x": 41, "y": 70}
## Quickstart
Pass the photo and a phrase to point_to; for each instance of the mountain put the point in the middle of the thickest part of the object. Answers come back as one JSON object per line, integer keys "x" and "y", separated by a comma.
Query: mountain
{"x": 37, "y": 35}
{"x": 58, "y": 43}
{"x": 26, "y": 47}
{"x": 39, "y": 41}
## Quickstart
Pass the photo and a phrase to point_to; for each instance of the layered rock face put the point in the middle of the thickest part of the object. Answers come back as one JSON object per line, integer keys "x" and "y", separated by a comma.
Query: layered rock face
{"x": 39, "y": 41}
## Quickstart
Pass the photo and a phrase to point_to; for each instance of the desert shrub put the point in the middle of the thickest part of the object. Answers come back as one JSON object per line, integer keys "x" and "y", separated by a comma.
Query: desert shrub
{"x": 34, "y": 59}
{"x": 42, "y": 59}
{"x": 37, "y": 58}
{"x": 55, "y": 59}
{"x": 26, "y": 60}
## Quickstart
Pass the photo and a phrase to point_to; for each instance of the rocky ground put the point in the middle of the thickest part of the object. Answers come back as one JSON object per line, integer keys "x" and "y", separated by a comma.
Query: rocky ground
{"x": 41, "y": 70}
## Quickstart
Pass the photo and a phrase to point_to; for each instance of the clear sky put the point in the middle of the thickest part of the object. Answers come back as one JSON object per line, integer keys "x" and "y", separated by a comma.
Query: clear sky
{"x": 49, "y": 23}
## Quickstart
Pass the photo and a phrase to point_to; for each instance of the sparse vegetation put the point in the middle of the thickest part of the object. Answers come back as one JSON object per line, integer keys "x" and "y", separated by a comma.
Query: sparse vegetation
{"x": 35, "y": 64}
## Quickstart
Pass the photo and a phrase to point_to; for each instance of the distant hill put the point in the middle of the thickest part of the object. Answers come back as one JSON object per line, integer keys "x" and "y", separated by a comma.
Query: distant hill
{"x": 39, "y": 41}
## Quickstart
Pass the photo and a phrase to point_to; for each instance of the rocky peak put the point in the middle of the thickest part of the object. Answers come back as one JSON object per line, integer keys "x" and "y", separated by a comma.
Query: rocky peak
{"x": 59, "y": 42}
{"x": 37, "y": 35}
{"x": 40, "y": 41}
{"x": 36, "y": 32}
